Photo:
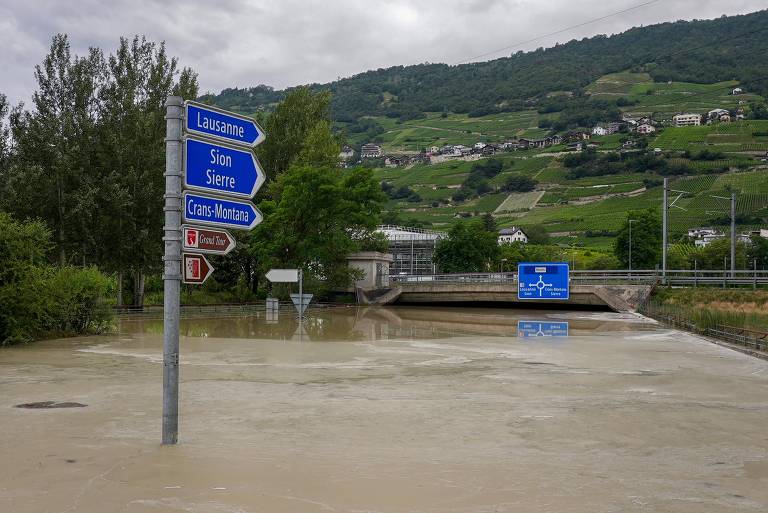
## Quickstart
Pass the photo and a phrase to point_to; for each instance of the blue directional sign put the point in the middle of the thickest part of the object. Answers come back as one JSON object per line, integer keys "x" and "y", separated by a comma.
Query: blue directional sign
{"x": 526, "y": 329}
{"x": 225, "y": 213}
{"x": 543, "y": 281}
{"x": 221, "y": 169}
{"x": 223, "y": 125}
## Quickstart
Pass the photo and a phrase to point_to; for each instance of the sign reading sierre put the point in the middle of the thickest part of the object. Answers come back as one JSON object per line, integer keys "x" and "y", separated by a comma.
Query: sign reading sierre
{"x": 221, "y": 169}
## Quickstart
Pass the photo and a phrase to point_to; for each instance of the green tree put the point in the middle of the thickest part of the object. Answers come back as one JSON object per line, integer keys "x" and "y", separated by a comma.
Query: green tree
{"x": 489, "y": 223}
{"x": 519, "y": 183}
{"x": 646, "y": 240}
{"x": 298, "y": 134}
{"x": 5, "y": 143}
{"x": 319, "y": 215}
{"x": 141, "y": 76}
{"x": 758, "y": 252}
{"x": 468, "y": 248}
{"x": 717, "y": 255}
{"x": 299, "y": 130}
{"x": 53, "y": 176}
{"x": 537, "y": 234}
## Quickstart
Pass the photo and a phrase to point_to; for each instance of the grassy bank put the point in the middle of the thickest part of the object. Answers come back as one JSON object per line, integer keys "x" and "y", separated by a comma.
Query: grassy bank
{"x": 706, "y": 308}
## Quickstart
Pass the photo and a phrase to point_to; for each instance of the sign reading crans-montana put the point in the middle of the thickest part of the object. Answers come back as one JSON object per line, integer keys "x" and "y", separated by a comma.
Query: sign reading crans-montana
{"x": 219, "y": 124}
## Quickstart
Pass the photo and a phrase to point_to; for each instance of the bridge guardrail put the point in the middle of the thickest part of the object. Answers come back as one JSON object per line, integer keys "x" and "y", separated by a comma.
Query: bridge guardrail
{"x": 607, "y": 277}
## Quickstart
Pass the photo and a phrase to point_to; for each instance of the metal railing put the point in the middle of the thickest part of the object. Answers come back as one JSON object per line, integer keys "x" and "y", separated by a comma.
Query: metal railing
{"x": 606, "y": 277}
{"x": 676, "y": 317}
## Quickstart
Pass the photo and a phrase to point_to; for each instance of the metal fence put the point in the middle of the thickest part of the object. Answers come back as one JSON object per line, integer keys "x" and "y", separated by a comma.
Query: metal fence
{"x": 676, "y": 317}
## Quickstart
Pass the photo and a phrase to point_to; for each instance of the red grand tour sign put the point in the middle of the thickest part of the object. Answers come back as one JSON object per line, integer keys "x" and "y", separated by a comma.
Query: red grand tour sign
{"x": 206, "y": 240}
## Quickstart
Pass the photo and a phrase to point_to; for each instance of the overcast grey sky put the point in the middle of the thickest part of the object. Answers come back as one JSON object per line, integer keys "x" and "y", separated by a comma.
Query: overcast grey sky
{"x": 289, "y": 42}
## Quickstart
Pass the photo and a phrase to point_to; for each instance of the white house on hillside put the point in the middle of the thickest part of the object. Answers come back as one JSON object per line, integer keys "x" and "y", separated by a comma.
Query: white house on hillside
{"x": 645, "y": 129}
{"x": 513, "y": 234}
{"x": 346, "y": 153}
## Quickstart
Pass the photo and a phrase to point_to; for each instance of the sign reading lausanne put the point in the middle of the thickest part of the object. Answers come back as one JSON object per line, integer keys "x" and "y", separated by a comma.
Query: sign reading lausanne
{"x": 221, "y": 169}
{"x": 227, "y": 126}
{"x": 220, "y": 212}
{"x": 546, "y": 280}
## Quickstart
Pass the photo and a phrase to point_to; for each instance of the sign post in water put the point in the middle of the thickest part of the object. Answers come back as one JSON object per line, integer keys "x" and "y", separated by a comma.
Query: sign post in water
{"x": 208, "y": 153}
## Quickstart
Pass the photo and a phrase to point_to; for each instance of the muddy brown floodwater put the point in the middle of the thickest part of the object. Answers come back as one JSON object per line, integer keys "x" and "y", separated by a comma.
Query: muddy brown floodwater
{"x": 388, "y": 410}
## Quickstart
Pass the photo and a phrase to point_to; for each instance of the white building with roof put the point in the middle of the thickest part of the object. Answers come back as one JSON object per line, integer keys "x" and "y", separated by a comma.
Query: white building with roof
{"x": 686, "y": 120}
{"x": 512, "y": 234}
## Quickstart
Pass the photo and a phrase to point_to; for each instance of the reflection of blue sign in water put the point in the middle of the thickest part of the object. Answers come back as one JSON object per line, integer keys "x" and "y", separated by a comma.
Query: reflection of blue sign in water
{"x": 217, "y": 168}
{"x": 542, "y": 329}
{"x": 542, "y": 281}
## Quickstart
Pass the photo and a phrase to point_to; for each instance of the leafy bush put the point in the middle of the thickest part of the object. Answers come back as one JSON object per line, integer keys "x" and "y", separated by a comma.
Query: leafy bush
{"x": 520, "y": 183}
{"x": 37, "y": 299}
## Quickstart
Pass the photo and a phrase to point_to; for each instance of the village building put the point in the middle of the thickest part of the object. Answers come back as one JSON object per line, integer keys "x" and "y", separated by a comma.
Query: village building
{"x": 347, "y": 152}
{"x": 370, "y": 151}
{"x": 686, "y": 120}
{"x": 513, "y": 234}
{"x": 645, "y": 129}
{"x": 577, "y": 135}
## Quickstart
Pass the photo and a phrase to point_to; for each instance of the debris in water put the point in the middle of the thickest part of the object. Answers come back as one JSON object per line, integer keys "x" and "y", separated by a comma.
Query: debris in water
{"x": 50, "y": 404}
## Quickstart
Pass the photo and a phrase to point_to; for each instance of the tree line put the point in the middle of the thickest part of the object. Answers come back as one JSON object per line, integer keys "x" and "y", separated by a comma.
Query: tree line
{"x": 87, "y": 159}
{"x": 699, "y": 51}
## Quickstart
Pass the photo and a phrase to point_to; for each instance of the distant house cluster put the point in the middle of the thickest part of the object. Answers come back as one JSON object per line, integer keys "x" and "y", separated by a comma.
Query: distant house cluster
{"x": 644, "y": 125}
{"x": 436, "y": 154}
{"x": 703, "y": 237}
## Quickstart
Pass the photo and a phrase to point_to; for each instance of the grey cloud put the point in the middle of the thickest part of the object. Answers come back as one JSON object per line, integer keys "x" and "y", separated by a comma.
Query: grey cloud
{"x": 289, "y": 42}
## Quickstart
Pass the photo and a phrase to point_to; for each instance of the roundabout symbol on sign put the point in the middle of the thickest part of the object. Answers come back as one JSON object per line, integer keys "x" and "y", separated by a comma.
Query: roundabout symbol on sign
{"x": 541, "y": 285}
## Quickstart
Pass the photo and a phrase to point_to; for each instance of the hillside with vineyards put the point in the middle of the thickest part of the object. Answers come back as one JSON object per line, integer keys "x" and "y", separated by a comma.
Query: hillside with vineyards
{"x": 650, "y": 73}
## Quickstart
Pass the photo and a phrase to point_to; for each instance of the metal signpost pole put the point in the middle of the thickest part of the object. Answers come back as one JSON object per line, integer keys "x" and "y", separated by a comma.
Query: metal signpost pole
{"x": 172, "y": 269}
{"x": 301, "y": 294}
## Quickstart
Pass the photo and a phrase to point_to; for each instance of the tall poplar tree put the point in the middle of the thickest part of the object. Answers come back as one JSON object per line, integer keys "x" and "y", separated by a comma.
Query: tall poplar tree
{"x": 55, "y": 148}
{"x": 141, "y": 77}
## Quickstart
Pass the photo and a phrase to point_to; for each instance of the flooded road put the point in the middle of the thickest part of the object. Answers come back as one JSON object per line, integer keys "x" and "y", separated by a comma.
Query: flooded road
{"x": 388, "y": 410}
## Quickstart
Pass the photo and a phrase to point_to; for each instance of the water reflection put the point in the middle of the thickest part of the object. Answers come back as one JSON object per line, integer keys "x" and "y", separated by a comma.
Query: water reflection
{"x": 526, "y": 329}
{"x": 352, "y": 323}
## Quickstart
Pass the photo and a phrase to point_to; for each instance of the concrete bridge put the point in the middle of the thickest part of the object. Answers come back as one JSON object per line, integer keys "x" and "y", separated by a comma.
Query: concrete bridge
{"x": 620, "y": 291}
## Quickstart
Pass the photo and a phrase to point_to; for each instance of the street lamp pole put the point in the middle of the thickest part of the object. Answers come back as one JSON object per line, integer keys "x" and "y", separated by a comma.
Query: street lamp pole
{"x": 630, "y": 244}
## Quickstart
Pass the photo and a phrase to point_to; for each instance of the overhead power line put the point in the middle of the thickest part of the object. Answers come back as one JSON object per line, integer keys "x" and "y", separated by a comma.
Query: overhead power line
{"x": 560, "y": 31}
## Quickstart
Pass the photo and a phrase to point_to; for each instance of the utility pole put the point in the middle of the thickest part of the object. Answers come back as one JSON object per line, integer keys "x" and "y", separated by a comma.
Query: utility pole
{"x": 733, "y": 235}
{"x": 630, "y": 243}
{"x": 732, "y": 214}
{"x": 665, "y": 213}
{"x": 172, "y": 268}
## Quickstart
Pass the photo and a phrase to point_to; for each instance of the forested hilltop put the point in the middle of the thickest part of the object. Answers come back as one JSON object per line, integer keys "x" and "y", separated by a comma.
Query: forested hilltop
{"x": 705, "y": 51}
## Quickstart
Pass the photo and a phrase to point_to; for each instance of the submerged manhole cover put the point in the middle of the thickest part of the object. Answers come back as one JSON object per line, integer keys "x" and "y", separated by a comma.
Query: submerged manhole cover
{"x": 50, "y": 404}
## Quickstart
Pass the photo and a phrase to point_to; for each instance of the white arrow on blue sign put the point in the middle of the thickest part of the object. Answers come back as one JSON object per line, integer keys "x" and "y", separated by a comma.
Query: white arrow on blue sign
{"x": 221, "y": 169}
{"x": 220, "y": 124}
{"x": 224, "y": 213}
